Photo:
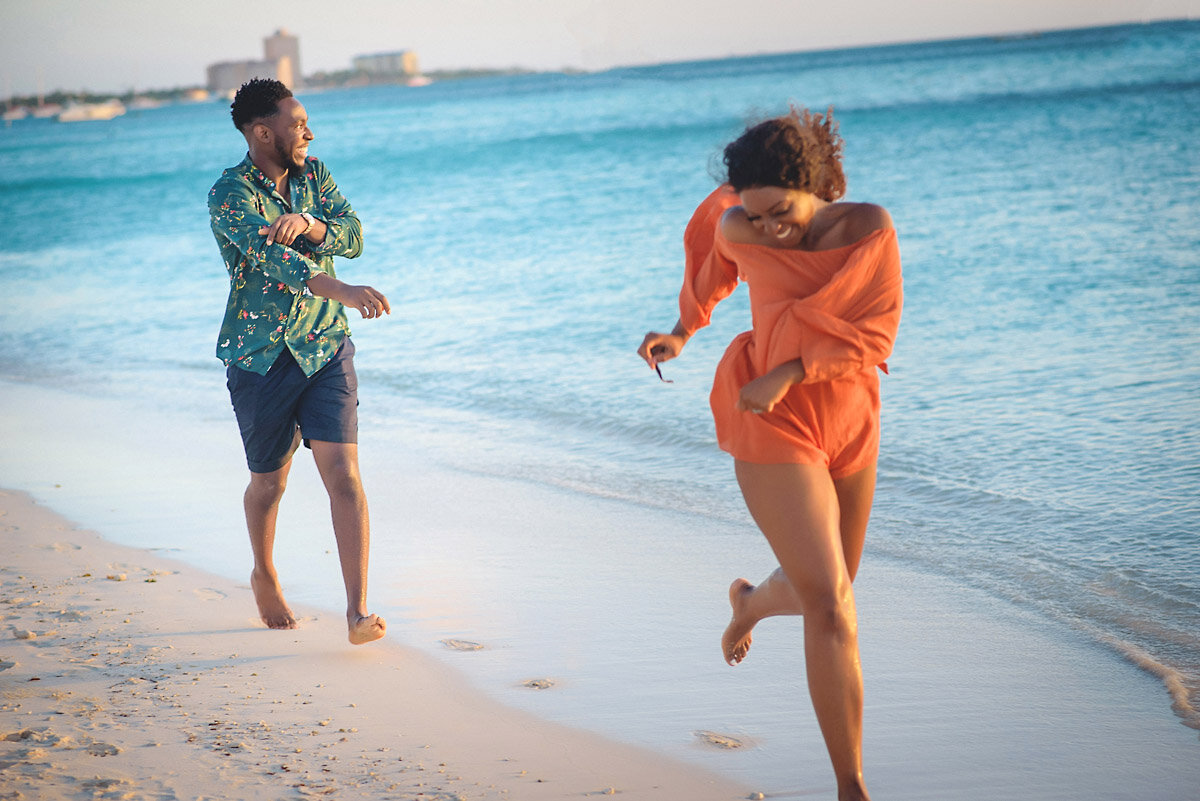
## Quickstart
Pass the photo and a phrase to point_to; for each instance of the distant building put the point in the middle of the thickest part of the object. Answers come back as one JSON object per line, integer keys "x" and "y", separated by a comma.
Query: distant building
{"x": 401, "y": 62}
{"x": 227, "y": 76}
{"x": 281, "y": 61}
{"x": 284, "y": 49}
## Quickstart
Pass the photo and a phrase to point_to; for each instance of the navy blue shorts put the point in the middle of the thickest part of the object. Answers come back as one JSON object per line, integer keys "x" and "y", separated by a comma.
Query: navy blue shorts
{"x": 274, "y": 411}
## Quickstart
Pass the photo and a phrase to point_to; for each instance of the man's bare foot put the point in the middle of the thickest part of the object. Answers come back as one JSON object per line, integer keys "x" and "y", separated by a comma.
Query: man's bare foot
{"x": 735, "y": 642}
{"x": 365, "y": 628}
{"x": 272, "y": 608}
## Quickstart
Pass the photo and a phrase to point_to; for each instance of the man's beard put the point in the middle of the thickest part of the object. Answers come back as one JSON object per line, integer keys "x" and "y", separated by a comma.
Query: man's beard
{"x": 286, "y": 158}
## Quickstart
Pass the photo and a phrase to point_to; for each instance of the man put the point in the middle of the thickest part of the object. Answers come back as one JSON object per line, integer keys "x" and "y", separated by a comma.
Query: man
{"x": 279, "y": 220}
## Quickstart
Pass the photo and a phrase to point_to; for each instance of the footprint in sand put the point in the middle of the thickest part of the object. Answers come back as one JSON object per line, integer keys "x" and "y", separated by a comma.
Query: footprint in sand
{"x": 6, "y": 664}
{"x": 63, "y": 546}
{"x": 718, "y": 740}
{"x": 538, "y": 684}
{"x": 99, "y": 785}
{"x": 462, "y": 645}
{"x": 43, "y": 736}
{"x": 26, "y": 634}
{"x": 103, "y": 749}
{"x": 209, "y": 594}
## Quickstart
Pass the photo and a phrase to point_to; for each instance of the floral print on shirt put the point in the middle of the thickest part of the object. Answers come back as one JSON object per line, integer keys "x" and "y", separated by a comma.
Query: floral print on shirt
{"x": 269, "y": 305}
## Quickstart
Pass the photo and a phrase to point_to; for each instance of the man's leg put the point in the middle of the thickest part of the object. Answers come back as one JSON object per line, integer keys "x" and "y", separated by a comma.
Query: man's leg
{"x": 337, "y": 462}
{"x": 262, "y": 508}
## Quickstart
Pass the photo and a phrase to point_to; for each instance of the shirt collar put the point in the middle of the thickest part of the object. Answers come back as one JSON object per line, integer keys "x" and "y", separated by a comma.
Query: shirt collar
{"x": 251, "y": 172}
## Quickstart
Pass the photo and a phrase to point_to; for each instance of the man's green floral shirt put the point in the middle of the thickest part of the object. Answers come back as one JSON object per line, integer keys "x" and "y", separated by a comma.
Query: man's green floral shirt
{"x": 269, "y": 306}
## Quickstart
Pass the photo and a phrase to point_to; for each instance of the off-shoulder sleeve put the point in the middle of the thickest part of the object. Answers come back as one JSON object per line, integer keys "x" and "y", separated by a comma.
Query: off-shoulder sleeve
{"x": 709, "y": 277}
{"x": 848, "y": 325}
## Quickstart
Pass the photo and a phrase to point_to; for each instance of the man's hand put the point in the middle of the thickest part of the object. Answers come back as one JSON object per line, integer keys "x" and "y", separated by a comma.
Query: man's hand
{"x": 369, "y": 301}
{"x": 287, "y": 227}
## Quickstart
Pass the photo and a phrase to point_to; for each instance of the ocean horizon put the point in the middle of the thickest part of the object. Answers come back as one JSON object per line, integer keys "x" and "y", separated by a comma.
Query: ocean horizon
{"x": 1038, "y": 447}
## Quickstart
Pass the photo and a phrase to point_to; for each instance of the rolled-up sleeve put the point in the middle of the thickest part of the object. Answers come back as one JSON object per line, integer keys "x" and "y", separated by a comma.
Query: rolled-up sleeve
{"x": 343, "y": 235}
{"x": 236, "y": 221}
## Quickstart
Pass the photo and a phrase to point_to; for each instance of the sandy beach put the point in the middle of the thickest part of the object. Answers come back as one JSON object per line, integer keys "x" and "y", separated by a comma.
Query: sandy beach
{"x": 553, "y": 528}
{"x": 130, "y": 676}
{"x": 130, "y": 671}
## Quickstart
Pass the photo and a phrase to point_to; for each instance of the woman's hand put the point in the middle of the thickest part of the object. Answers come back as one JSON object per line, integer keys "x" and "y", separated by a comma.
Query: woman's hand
{"x": 657, "y": 348}
{"x": 761, "y": 394}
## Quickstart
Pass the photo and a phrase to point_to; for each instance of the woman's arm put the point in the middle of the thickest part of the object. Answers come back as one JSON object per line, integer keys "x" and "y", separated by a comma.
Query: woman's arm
{"x": 656, "y": 347}
{"x": 708, "y": 279}
{"x": 762, "y": 393}
{"x": 850, "y": 323}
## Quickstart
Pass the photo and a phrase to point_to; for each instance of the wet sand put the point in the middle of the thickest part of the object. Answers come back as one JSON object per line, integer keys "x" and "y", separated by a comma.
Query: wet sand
{"x": 130, "y": 676}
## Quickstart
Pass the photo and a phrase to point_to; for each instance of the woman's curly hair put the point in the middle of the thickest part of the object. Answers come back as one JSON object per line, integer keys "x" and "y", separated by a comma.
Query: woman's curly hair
{"x": 800, "y": 150}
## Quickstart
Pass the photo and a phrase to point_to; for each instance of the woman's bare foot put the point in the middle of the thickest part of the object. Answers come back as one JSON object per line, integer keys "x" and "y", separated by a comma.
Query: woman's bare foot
{"x": 272, "y": 608}
{"x": 365, "y": 628}
{"x": 735, "y": 642}
{"x": 853, "y": 791}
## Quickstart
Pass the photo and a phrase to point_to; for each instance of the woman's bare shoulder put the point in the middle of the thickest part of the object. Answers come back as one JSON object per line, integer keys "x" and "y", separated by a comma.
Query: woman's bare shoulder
{"x": 862, "y": 219}
{"x": 736, "y": 227}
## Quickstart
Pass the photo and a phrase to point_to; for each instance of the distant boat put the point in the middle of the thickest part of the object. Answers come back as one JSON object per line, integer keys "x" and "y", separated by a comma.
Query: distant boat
{"x": 15, "y": 111}
{"x": 45, "y": 110}
{"x": 82, "y": 112}
{"x": 141, "y": 103}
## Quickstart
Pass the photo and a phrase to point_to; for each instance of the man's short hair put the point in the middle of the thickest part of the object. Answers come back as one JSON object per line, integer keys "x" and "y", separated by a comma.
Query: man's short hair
{"x": 258, "y": 98}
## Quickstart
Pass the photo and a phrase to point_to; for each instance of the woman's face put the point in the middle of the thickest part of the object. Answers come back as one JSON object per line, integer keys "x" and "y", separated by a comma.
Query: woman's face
{"x": 781, "y": 214}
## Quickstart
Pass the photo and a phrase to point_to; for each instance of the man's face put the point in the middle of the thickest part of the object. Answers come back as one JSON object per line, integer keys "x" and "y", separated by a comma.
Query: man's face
{"x": 290, "y": 133}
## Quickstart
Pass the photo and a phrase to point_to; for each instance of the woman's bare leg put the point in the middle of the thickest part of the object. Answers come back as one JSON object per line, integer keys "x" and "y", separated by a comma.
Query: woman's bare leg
{"x": 751, "y": 603}
{"x": 797, "y": 509}
{"x": 774, "y": 595}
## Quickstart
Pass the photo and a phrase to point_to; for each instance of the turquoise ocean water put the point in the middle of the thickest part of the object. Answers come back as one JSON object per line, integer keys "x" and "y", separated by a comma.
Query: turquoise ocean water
{"x": 1040, "y": 439}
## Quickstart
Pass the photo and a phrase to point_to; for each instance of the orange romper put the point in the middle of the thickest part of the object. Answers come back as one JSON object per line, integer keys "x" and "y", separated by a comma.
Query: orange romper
{"x": 836, "y": 310}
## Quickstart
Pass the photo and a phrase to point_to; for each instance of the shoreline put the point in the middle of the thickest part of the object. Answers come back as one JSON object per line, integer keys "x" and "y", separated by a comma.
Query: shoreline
{"x": 965, "y": 692}
{"x": 128, "y": 673}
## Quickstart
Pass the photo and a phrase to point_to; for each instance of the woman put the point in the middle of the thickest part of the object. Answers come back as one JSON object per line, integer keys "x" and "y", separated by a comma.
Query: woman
{"x": 796, "y": 399}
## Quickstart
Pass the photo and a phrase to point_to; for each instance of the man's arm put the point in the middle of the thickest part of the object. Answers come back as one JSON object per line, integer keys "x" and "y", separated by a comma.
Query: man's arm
{"x": 341, "y": 231}
{"x": 236, "y": 219}
{"x": 288, "y": 228}
{"x": 369, "y": 301}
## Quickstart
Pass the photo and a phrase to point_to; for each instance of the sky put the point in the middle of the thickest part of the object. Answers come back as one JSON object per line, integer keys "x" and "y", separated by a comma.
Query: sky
{"x": 118, "y": 45}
